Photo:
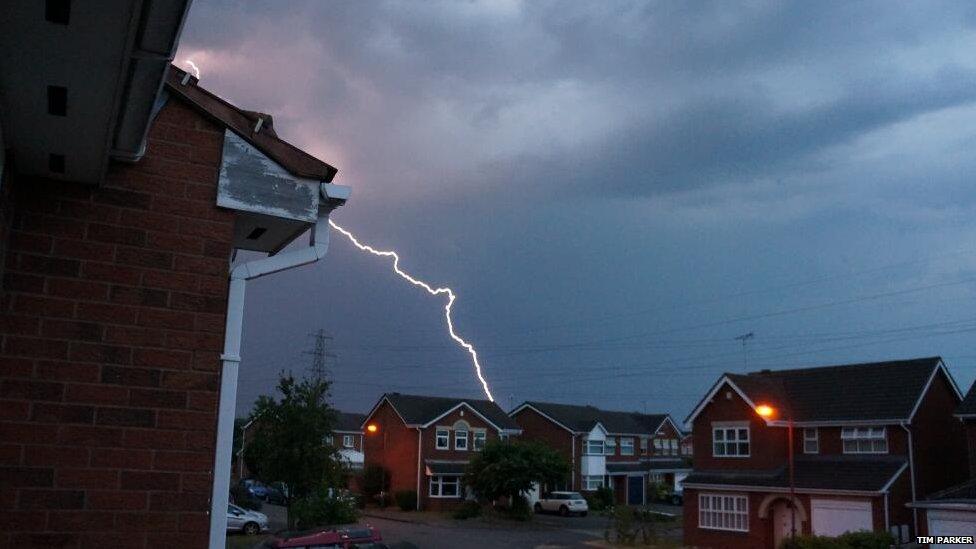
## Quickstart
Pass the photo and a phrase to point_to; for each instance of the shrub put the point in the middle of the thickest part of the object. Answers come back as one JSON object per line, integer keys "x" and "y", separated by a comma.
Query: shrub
{"x": 240, "y": 497}
{"x": 468, "y": 509}
{"x": 599, "y": 500}
{"x": 519, "y": 509}
{"x": 322, "y": 509}
{"x": 375, "y": 480}
{"x": 406, "y": 499}
{"x": 850, "y": 540}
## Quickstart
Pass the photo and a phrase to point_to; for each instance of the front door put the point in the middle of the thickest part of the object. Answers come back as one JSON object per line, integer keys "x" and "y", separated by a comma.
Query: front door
{"x": 635, "y": 490}
{"x": 782, "y": 522}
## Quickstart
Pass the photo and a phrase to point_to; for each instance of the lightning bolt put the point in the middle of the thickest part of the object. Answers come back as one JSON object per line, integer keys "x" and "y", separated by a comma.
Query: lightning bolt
{"x": 196, "y": 70}
{"x": 451, "y": 296}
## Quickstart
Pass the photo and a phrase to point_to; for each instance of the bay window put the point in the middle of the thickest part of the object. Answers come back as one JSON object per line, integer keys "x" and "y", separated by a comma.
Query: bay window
{"x": 722, "y": 512}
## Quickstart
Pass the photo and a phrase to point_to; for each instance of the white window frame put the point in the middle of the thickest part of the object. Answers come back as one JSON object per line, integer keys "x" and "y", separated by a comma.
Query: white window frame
{"x": 733, "y": 443}
{"x": 348, "y": 442}
{"x": 442, "y": 434}
{"x": 592, "y": 482}
{"x": 657, "y": 446}
{"x": 864, "y": 440}
{"x": 610, "y": 446}
{"x": 461, "y": 435}
{"x": 728, "y": 512}
{"x": 626, "y": 446}
{"x": 674, "y": 446}
{"x": 590, "y": 446}
{"x": 478, "y": 440}
{"x": 811, "y": 444}
{"x": 643, "y": 445}
{"x": 436, "y": 485}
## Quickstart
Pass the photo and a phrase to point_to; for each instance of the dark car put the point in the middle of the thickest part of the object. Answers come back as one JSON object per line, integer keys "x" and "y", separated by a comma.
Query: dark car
{"x": 277, "y": 493}
{"x": 344, "y": 537}
{"x": 255, "y": 488}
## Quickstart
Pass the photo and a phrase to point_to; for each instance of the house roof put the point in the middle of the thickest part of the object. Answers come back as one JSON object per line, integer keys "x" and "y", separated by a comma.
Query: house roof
{"x": 242, "y": 122}
{"x": 349, "y": 423}
{"x": 582, "y": 419}
{"x": 833, "y": 473}
{"x": 422, "y": 410}
{"x": 968, "y": 405}
{"x": 887, "y": 390}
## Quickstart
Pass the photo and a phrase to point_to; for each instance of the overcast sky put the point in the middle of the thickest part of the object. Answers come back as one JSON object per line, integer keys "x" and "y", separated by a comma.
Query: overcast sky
{"x": 615, "y": 190}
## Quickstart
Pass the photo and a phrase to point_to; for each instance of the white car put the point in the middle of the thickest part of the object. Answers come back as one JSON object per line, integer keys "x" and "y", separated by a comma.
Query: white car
{"x": 244, "y": 520}
{"x": 563, "y": 503}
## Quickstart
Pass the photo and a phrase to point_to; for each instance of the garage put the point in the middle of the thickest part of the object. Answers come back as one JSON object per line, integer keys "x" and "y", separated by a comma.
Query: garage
{"x": 833, "y": 517}
{"x": 951, "y": 523}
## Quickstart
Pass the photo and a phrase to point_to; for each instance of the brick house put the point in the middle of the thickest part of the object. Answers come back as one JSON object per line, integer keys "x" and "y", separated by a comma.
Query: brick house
{"x": 953, "y": 511}
{"x": 348, "y": 438}
{"x": 122, "y": 202}
{"x": 868, "y": 440}
{"x": 425, "y": 442}
{"x": 626, "y": 451}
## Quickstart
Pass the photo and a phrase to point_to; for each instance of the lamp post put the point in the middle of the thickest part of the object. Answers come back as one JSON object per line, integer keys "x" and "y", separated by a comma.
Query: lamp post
{"x": 766, "y": 412}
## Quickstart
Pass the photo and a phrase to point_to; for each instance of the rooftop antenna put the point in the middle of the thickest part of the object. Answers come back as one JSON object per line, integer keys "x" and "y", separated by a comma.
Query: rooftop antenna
{"x": 745, "y": 353}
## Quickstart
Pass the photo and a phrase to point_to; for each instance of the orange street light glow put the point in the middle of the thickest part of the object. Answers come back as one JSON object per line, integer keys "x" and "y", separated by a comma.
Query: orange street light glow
{"x": 765, "y": 411}
{"x": 372, "y": 428}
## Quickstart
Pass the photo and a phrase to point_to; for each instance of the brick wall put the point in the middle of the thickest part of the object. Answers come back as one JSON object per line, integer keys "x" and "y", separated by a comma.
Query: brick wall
{"x": 113, "y": 303}
{"x": 538, "y": 428}
{"x": 939, "y": 440}
{"x": 394, "y": 447}
{"x": 768, "y": 445}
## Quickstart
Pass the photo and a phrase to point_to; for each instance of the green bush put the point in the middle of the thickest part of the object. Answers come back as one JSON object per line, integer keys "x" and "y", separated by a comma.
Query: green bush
{"x": 242, "y": 498}
{"x": 599, "y": 500}
{"x": 468, "y": 509}
{"x": 375, "y": 480}
{"x": 850, "y": 540}
{"x": 406, "y": 499}
{"x": 322, "y": 509}
{"x": 519, "y": 509}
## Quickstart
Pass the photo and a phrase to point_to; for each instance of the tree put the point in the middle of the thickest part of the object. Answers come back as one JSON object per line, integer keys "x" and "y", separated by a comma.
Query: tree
{"x": 511, "y": 468}
{"x": 287, "y": 439}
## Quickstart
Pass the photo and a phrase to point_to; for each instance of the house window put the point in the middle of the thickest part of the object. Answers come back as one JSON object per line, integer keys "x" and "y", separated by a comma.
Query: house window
{"x": 479, "y": 439}
{"x": 461, "y": 439}
{"x": 592, "y": 482}
{"x": 610, "y": 446}
{"x": 655, "y": 478}
{"x": 811, "y": 441}
{"x": 730, "y": 441}
{"x": 719, "y": 512}
{"x": 643, "y": 445}
{"x": 444, "y": 486}
{"x": 328, "y": 440}
{"x": 443, "y": 439}
{"x": 594, "y": 447}
{"x": 864, "y": 440}
{"x": 657, "y": 446}
{"x": 347, "y": 441}
{"x": 674, "y": 446}
{"x": 627, "y": 446}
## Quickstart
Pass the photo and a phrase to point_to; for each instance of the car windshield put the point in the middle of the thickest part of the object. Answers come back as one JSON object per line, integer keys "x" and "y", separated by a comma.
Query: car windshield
{"x": 574, "y": 495}
{"x": 231, "y": 508}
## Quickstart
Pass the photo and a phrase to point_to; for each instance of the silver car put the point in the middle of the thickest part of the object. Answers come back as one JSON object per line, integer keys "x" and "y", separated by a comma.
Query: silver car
{"x": 243, "y": 520}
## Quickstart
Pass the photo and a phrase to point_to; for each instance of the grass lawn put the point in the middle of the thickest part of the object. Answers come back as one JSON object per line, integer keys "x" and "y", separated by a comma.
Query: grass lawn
{"x": 240, "y": 541}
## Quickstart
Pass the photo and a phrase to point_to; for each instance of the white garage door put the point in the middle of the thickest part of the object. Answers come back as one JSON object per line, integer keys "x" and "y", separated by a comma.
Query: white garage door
{"x": 833, "y": 517}
{"x": 951, "y": 523}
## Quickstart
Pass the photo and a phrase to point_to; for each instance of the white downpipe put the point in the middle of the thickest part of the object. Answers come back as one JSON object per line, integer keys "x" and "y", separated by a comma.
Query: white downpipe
{"x": 911, "y": 469}
{"x": 233, "y": 332}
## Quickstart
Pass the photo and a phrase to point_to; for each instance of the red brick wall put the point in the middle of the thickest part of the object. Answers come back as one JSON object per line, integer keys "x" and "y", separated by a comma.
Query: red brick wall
{"x": 113, "y": 307}
{"x": 667, "y": 433}
{"x": 768, "y": 447}
{"x": 536, "y": 427}
{"x": 940, "y": 443}
{"x": 393, "y": 446}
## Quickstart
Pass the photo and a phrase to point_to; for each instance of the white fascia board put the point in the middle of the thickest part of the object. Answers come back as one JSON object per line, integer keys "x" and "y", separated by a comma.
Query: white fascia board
{"x": 376, "y": 407}
{"x": 776, "y": 490}
{"x": 457, "y": 406}
{"x": 940, "y": 367}
{"x": 541, "y": 413}
{"x": 689, "y": 421}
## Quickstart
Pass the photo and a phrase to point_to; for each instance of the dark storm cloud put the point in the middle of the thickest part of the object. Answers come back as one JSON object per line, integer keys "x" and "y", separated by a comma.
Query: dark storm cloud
{"x": 563, "y": 161}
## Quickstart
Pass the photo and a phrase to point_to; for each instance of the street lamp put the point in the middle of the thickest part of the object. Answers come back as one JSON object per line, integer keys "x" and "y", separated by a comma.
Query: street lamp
{"x": 766, "y": 411}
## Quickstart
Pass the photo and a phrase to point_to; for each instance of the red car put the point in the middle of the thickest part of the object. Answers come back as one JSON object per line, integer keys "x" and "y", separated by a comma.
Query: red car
{"x": 346, "y": 537}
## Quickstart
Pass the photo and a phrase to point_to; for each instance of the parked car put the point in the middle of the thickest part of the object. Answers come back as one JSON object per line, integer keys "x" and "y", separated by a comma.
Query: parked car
{"x": 255, "y": 488}
{"x": 564, "y": 503}
{"x": 274, "y": 494}
{"x": 345, "y": 537}
{"x": 243, "y": 520}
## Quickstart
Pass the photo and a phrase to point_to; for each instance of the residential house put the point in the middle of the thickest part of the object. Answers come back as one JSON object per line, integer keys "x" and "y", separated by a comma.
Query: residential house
{"x": 626, "y": 451}
{"x": 952, "y": 512}
{"x": 687, "y": 445}
{"x": 867, "y": 439}
{"x": 125, "y": 189}
{"x": 425, "y": 442}
{"x": 347, "y": 437}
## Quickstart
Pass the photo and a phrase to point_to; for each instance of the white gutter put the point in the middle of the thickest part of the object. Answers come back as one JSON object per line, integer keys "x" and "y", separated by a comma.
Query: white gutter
{"x": 332, "y": 197}
{"x": 911, "y": 469}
